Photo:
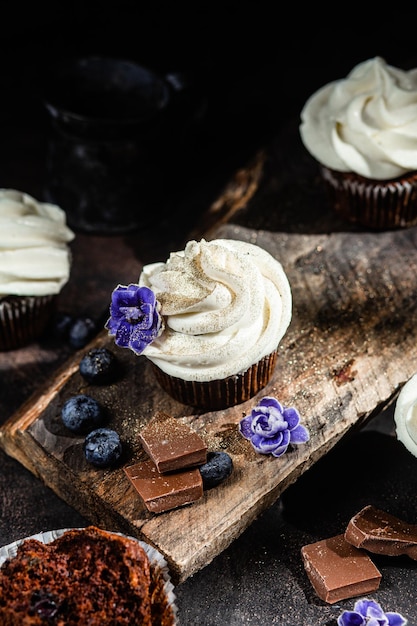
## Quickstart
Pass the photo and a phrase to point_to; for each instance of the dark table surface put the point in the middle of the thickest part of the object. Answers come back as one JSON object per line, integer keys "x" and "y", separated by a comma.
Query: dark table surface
{"x": 254, "y": 84}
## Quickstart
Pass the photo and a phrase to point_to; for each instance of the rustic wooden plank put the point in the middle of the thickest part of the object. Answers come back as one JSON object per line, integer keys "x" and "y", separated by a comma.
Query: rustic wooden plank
{"x": 350, "y": 346}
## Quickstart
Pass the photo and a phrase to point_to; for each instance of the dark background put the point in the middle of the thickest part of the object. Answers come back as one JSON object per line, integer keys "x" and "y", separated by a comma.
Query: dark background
{"x": 256, "y": 64}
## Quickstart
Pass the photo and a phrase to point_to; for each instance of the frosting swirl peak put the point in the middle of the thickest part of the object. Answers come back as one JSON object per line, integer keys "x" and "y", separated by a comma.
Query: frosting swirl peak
{"x": 226, "y": 304}
{"x": 365, "y": 123}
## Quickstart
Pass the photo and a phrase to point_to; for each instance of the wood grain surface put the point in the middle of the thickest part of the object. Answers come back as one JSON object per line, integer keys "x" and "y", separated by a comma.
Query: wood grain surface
{"x": 350, "y": 347}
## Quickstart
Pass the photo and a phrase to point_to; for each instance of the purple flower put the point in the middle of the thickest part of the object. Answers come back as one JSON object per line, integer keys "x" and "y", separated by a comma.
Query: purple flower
{"x": 271, "y": 427}
{"x": 369, "y": 613}
{"x": 134, "y": 319}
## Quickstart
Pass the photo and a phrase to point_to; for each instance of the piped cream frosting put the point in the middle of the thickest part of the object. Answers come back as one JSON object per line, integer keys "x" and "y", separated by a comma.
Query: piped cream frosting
{"x": 35, "y": 257}
{"x": 405, "y": 415}
{"x": 365, "y": 123}
{"x": 226, "y": 304}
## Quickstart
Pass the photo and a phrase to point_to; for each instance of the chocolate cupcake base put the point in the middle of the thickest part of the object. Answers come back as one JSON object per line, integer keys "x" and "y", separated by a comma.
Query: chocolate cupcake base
{"x": 219, "y": 394}
{"x": 23, "y": 319}
{"x": 376, "y": 204}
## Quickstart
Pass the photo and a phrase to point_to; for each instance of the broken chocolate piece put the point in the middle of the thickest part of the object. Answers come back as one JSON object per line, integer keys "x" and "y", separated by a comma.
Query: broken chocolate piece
{"x": 171, "y": 444}
{"x": 382, "y": 533}
{"x": 337, "y": 570}
{"x": 162, "y": 492}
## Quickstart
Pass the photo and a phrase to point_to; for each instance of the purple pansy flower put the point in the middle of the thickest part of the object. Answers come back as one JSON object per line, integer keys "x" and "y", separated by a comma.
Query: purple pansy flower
{"x": 369, "y": 613}
{"x": 271, "y": 427}
{"x": 134, "y": 319}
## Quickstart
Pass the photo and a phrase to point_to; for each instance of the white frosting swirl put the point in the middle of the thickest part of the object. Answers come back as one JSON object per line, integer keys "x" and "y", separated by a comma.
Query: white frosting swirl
{"x": 226, "y": 305}
{"x": 365, "y": 123}
{"x": 34, "y": 255}
{"x": 405, "y": 415}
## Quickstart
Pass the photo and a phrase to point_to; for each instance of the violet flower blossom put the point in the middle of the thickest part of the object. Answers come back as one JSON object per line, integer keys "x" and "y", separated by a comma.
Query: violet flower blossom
{"x": 369, "y": 613}
{"x": 134, "y": 319}
{"x": 271, "y": 427}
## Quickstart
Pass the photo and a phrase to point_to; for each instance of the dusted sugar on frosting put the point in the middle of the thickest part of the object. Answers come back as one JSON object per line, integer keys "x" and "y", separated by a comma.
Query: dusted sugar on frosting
{"x": 34, "y": 254}
{"x": 405, "y": 415}
{"x": 365, "y": 123}
{"x": 226, "y": 305}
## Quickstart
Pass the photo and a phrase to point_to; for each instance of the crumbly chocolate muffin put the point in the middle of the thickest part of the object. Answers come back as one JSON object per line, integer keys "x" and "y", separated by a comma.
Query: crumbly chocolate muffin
{"x": 85, "y": 576}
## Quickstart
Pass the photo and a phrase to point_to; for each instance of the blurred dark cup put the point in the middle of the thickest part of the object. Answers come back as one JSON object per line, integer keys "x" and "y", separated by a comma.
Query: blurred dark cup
{"x": 115, "y": 130}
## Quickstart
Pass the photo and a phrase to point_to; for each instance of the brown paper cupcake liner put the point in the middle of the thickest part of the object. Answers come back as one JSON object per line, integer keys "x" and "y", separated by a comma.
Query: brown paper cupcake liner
{"x": 380, "y": 205}
{"x": 23, "y": 319}
{"x": 219, "y": 394}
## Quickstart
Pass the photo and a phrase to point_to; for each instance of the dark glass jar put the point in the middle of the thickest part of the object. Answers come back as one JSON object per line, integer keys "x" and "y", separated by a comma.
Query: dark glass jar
{"x": 114, "y": 125}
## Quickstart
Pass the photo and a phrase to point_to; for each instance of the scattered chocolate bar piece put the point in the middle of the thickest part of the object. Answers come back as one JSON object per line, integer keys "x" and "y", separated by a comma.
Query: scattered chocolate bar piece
{"x": 337, "y": 570}
{"x": 171, "y": 444}
{"x": 163, "y": 492}
{"x": 382, "y": 533}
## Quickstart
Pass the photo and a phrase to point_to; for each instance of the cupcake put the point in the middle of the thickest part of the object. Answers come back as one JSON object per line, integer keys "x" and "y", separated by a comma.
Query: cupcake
{"x": 362, "y": 131}
{"x": 34, "y": 265}
{"x": 209, "y": 320}
{"x": 405, "y": 415}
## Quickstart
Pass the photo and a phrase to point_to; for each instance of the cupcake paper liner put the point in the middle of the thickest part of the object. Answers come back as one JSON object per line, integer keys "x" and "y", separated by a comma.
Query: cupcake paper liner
{"x": 158, "y": 563}
{"x": 219, "y": 394}
{"x": 376, "y": 204}
{"x": 23, "y": 319}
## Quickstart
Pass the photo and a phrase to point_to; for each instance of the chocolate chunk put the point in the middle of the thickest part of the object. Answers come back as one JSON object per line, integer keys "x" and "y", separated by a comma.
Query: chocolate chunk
{"x": 382, "y": 533}
{"x": 171, "y": 444}
{"x": 162, "y": 492}
{"x": 337, "y": 570}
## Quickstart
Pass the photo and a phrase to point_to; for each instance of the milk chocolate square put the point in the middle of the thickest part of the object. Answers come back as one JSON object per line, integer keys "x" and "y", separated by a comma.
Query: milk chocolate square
{"x": 162, "y": 492}
{"x": 171, "y": 444}
{"x": 337, "y": 570}
{"x": 382, "y": 533}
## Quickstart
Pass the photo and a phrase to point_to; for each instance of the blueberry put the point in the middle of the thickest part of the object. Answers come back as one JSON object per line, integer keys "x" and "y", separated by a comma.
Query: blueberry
{"x": 102, "y": 447}
{"x": 81, "y": 331}
{"x": 99, "y": 366}
{"x": 219, "y": 466}
{"x": 82, "y": 413}
{"x": 62, "y": 323}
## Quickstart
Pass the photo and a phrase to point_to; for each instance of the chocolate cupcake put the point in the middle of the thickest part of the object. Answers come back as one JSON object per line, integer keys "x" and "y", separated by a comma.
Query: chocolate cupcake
{"x": 34, "y": 266}
{"x": 23, "y": 319}
{"x": 210, "y": 320}
{"x": 361, "y": 130}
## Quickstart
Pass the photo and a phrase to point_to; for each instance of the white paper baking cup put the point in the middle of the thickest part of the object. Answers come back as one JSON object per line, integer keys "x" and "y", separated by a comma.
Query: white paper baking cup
{"x": 156, "y": 559}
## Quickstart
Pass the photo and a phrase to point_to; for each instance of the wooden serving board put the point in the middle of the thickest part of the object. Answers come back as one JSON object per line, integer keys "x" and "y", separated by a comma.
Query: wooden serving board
{"x": 351, "y": 345}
